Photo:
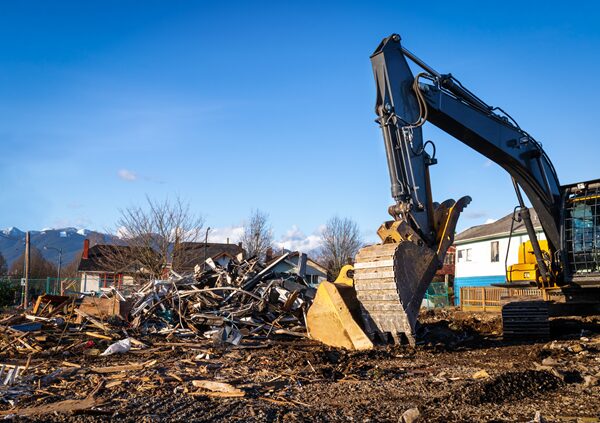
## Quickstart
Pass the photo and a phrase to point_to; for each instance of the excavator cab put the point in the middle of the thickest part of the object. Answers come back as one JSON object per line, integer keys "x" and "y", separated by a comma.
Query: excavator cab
{"x": 582, "y": 233}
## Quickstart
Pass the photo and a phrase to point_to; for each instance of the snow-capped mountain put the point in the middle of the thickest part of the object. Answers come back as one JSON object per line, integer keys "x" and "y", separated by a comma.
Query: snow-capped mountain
{"x": 70, "y": 240}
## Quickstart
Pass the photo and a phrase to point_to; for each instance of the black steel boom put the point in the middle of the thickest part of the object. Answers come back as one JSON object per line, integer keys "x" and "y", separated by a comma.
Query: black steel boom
{"x": 404, "y": 103}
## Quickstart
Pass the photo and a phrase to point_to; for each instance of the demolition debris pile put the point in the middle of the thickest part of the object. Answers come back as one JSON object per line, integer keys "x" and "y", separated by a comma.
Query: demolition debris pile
{"x": 246, "y": 300}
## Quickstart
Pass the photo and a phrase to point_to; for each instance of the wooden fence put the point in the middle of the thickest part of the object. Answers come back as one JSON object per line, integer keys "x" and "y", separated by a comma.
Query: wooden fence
{"x": 488, "y": 298}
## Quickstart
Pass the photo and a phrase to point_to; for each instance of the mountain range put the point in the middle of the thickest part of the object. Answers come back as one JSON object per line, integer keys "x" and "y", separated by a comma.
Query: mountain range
{"x": 70, "y": 240}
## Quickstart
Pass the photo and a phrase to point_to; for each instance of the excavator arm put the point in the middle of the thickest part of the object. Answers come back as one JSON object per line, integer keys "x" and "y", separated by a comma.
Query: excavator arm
{"x": 444, "y": 102}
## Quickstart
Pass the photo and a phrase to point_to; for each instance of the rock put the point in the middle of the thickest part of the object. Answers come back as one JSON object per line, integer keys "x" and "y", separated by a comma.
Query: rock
{"x": 589, "y": 381}
{"x": 549, "y": 361}
{"x": 412, "y": 415}
{"x": 577, "y": 348}
{"x": 481, "y": 374}
{"x": 538, "y": 418}
{"x": 539, "y": 366}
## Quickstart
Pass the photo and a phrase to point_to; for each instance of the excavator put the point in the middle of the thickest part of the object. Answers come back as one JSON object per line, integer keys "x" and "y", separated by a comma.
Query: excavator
{"x": 379, "y": 297}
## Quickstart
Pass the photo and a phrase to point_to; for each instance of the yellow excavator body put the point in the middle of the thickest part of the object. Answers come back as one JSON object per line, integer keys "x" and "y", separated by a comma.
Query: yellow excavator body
{"x": 527, "y": 269}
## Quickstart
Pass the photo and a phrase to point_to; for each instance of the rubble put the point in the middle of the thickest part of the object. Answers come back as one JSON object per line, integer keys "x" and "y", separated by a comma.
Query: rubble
{"x": 411, "y": 415}
{"x": 481, "y": 374}
{"x": 242, "y": 305}
{"x": 207, "y": 362}
{"x": 246, "y": 300}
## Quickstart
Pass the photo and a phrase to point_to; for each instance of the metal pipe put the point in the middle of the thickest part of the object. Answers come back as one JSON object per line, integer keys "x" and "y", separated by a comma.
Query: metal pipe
{"x": 27, "y": 263}
{"x": 447, "y": 82}
{"x": 421, "y": 63}
{"x": 396, "y": 188}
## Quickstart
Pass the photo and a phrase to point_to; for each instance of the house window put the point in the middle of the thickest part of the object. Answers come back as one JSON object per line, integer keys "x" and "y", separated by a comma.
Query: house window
{"x": 449, "y": 259}
{"x": 463, "y": 255}
{"x": 495, "y": 250}
{"x": 111, "y": 279}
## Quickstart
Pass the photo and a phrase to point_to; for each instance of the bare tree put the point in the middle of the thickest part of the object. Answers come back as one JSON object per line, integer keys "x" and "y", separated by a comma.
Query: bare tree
{"x": 39, "y": 267}
{"x": 257, "y": 236}
{"x": 341, "y": 241}
{"x": 69, "y": 270}
{"x": 153, "y": 236}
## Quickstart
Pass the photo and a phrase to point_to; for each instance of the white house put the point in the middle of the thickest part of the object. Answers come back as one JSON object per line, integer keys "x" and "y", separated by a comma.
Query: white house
{"x": 481, "y": 252}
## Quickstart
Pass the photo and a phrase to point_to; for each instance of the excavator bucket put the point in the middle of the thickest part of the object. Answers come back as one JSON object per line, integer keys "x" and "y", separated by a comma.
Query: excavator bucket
{"x": 334, "y": 315}
{"x": 384, "y": 295}
{"x": 391, "y": 279}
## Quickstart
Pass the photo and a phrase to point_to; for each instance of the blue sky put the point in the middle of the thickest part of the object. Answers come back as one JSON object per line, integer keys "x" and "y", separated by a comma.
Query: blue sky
{"x": 269, "y": 105}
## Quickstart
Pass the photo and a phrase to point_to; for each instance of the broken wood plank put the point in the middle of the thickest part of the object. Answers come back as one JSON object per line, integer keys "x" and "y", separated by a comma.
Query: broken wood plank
{"x": 217, "y": 394}
{"x": 217, "y": 389}
{"x": 69, "y": 364}
{"x": 99, "y": 336}
{"x": 93, "y": 321}
{"x": 55, "y": 407}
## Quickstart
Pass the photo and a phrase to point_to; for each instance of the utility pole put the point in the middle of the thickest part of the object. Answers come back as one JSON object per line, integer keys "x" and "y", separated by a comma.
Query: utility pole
{"x": 59, "y": 265}
{"x": 27, "y": 269}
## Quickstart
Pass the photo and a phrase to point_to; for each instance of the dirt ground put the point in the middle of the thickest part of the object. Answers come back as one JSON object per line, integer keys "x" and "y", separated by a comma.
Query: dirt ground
{"x": 461, "y": 371}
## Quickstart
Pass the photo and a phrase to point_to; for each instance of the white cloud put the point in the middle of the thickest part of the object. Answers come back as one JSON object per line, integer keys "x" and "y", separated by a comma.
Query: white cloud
{"x": 293, "y": 239}
{"x": 296, "y": 240}
{"x": 488, "y": 163}
{"x": 233, "y": 233}
{"x": 127, "y": 175}
{"x": 490, "y": 221}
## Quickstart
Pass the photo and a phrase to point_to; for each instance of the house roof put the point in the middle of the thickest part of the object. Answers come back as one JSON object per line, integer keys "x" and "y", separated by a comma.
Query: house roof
{"x": 293, "y": 254}
{"x": 101, "y": 255}
{"x": 190, "y": 254}
{"x": 500, "y": 227}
